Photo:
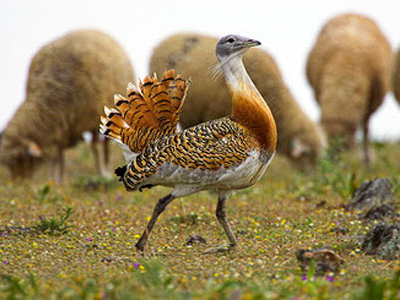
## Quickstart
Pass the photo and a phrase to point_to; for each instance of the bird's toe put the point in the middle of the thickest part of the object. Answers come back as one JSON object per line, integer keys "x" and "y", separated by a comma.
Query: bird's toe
{"x": 220, "y": 248}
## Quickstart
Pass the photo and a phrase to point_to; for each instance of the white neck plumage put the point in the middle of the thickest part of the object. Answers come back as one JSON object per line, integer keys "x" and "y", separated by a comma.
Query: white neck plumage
{"x": 235, "y": 73}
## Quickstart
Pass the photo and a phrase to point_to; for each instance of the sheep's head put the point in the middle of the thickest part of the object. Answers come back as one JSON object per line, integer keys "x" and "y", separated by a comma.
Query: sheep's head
{"x": 341, "y": 135}
{"x": 305, "y": 149}
{"x": 21, "y": 156}
{"x": 302, "y": 155}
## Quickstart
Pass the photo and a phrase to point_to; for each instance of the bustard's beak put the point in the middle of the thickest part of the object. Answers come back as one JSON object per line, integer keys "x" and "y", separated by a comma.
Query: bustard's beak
{"x": 246, "y": 43}
{"x": 251, "y": 43}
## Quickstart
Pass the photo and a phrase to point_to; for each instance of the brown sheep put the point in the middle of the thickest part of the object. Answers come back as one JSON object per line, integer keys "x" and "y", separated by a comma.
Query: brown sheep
{"x": 193, "y": 55}
{"x": 69, "y": 82}
{"x": 349, "y": 70}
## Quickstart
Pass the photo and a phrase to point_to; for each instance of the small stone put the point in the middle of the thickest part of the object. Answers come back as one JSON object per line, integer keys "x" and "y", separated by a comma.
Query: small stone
{"x": 325, "y": 260}
{"x": 320, "y": 204}
{"x": 195, "y": 239}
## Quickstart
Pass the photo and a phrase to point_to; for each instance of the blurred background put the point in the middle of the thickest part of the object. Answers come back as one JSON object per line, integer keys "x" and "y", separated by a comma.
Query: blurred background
{"x": 287, "y": 29}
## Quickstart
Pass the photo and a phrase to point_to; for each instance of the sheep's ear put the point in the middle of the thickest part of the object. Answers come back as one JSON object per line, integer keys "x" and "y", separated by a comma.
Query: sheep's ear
{"x": 34, "y": 149}
{"x": 297, "y": 149}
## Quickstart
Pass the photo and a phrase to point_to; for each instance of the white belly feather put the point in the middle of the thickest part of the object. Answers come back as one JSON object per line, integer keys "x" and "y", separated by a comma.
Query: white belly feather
{"x": 187, "y": 181}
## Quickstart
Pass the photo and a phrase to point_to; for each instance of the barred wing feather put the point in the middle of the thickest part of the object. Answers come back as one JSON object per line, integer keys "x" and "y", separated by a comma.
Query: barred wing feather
{"x": 147, "y": 113}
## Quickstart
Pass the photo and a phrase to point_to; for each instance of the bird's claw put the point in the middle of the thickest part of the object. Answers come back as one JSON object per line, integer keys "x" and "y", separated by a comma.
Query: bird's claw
{"x": 220, "y": 248}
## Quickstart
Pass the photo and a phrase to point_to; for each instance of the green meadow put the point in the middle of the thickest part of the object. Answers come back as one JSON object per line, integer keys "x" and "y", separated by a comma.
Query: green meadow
{"x": 76, "y": 241}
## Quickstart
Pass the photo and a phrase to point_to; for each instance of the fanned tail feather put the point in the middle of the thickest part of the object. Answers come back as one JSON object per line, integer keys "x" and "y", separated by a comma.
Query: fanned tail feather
{"x": 147, "y": 113}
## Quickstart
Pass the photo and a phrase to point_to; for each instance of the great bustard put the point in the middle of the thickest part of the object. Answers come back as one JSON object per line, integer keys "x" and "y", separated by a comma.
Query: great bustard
{"x": 223, "y": 155}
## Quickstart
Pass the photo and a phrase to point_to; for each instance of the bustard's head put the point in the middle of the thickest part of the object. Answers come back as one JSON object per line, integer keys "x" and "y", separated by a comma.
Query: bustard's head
{"x": 233, "y": 45}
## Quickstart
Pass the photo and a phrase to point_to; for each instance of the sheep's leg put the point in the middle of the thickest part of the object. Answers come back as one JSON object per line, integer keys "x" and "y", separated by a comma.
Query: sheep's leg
{"x": 158, "y": 209}
{"x": 366, "y": 148}
{"x": 98, "y": 160}
{"x": 106, "y": 149}
{"x": 221, "y": 216}
{"x": 95, "y": 151}
{"x": 58, "y": 170}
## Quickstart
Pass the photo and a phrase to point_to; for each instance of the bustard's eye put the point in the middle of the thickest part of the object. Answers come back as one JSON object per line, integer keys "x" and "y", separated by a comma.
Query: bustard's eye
{"x": 230, "y": 40}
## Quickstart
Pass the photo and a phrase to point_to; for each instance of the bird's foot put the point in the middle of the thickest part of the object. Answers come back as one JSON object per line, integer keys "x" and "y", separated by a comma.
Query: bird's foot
{"x": 140, "y": 244}
{"x": 220, "y": 248}
{"x": 139, "y": 247}
{"x": 113, "y": 258}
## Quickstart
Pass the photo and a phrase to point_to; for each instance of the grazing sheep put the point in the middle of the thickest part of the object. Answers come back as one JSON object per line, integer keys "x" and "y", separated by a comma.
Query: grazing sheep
{"x": 396, "y": 75}
{"x": 349, "y": 70}
{"x": 193, "y": 55}
{"x": 69, "y": 82}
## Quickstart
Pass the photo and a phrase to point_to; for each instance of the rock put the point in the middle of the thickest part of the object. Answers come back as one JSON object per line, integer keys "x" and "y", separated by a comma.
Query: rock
{"x": 371, "y": 194}
{"x": 381, "y": 212}
{"x": 325, "y": 260}
{"x": 383, "y": 241}
{"x": 195, "y": 239}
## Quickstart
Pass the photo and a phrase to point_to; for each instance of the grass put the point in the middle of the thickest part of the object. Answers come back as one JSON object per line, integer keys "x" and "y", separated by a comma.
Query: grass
{"x": 56, "y": 241}
{"x": 53, "y": 226}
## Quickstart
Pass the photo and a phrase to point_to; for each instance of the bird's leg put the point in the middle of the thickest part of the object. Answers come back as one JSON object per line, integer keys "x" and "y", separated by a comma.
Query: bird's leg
{"x": 158, "y": 209}
{"x": 221, "y": 216}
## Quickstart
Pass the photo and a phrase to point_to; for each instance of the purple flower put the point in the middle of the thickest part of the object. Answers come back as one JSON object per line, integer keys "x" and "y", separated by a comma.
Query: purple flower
{"x": 304, "y": 277}
{"x": 100, "y": 202}
{"x": 89, "y": 239}
{"x": 337, "y": 223}
{"x": 118, "y": 198}
{"x": 136, "y": 265}
{"x": 3, "y": 234}
{"x": 5, "y": 262}
{"x": 330, "y": 278}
